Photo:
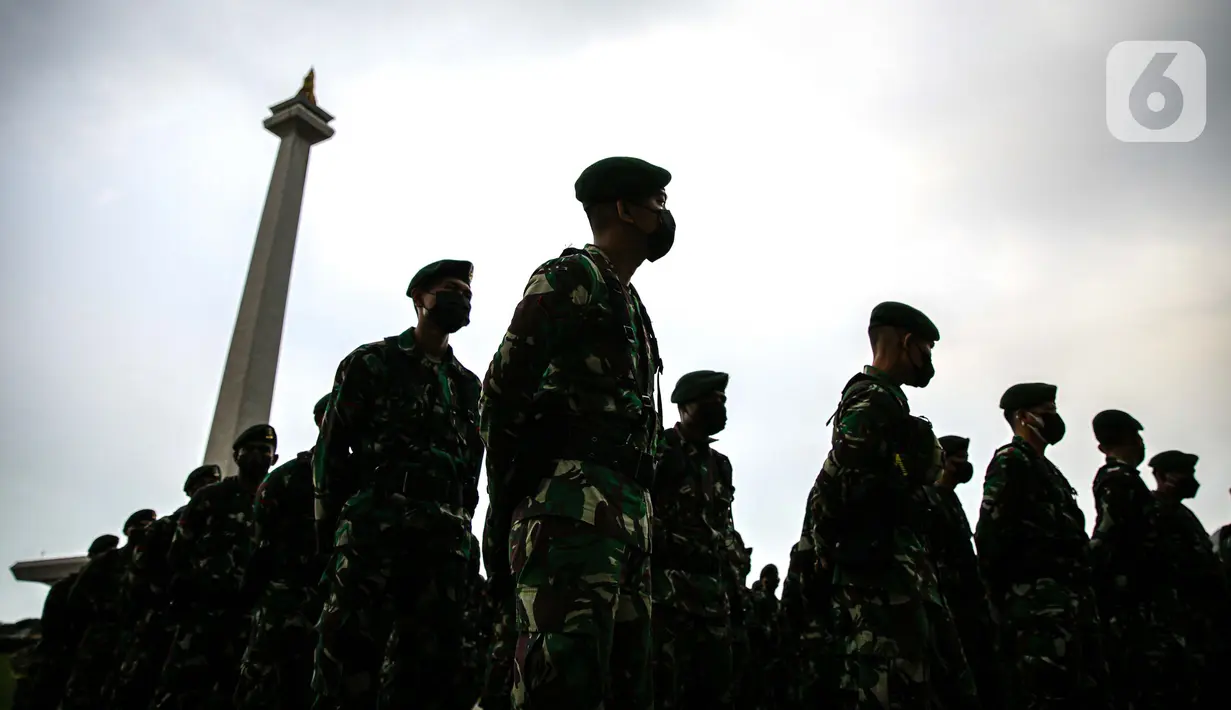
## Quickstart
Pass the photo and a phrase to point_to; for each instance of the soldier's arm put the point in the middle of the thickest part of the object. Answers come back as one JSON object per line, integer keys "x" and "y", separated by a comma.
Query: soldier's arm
{"x": 181, "y": 552}
{"x": 859, "y": 455}
{"x": 333, "y": 475}
{"x": 555, "y": 293}
{"x": 998, "y": 531}
{"x": 1113, "y": 498}
{"x": 473, "y": 464}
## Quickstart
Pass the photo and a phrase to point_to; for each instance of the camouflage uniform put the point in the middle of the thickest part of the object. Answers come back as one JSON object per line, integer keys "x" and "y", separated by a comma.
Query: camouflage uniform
{"x": 957, "y": 570}
{"x": 1199, "y": 582}
{"x": 691, "y": 576}
{"x": 207, "y": 557}
{"x": 282, "y": 577}
{"x": 762, "y": 680}
{"x": 396, "y": 473}
{"x": 895, "y": 641}
{"x": 476, "y": 630}
{"x": 145, "y": 586}
{"x": 61, "y": 628}
{"x": 96, "y": 595}
{"x": 739, "y": 596}
{"x": 1033, "y": 558}
{"x": 497, "y": 693}
{"x": 1135, "y": 587}
{"x": 569, "y": 419}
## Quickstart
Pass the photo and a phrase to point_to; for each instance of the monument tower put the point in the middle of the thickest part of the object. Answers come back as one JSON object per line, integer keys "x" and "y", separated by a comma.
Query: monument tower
{"x": 247, "y": 388}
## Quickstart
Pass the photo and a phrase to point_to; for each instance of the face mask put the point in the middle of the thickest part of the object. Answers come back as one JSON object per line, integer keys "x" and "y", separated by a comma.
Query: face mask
{"x": 964, "y": 471}
{"x": 451, "y": 312}
{"x": 255, "y": 460}
{"x": 1053, "y": 428}
{"x": 662, "y": 238}
{"x": 924, "y": 371}
{"x": 712, "y": 418}
{"x": 1187, "y": 487}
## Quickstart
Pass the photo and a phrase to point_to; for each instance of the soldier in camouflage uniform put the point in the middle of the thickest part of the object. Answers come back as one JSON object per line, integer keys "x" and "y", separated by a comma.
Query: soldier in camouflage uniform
{"x": 1200, "y": 584}
{"x": 1222, "y": 545}
{"x": 498, "y": 674}
{"x": 571, "y": 426}
{"x": 96, "y": 595}
{"x": 208, "y": 556}
{"x": 61, "y": 628}
{"x": 812, "y": 674}
{"x": 1134, "y": 578}
{"x": 146, "y": 590}
{"x": 476, "y": 628}
{"x": 958, "y": 573}
{"x": 739, "y": 598}
{"x": 281, "y": 583}
{"x": 764, "y": 682}
{"x": 396, "y": 472}
{"x": 1033, "y": 557}
{"x": 895, "y": 643}
{"x": 692, "y": 527}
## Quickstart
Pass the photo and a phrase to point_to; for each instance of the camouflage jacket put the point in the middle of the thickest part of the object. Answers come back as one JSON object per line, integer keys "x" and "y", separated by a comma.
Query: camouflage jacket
{"x": 96, "y": 595}
{"x": 209, "y": 551}
{"x": 283, "y": 531}
{"x": 869, "y": 505}
{"x": 60, "y": 627}
{"x": 1222, "y": 546}
{"x": 762, "y": 619}
{"x": 400, "y": 422}
{"x": 147, "y": 579}
{"x": 1126, "y": 552}
{"x": 569, "y": 372}
{"x": 693, "y": 532}
{"x": 1030, "y": 526}
{"x": 1199, "y": 572}
{"x": 952, "y": 549}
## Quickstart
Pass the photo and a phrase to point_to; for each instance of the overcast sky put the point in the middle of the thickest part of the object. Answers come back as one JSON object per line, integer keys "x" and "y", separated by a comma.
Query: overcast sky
{"x": 827, "y": 156}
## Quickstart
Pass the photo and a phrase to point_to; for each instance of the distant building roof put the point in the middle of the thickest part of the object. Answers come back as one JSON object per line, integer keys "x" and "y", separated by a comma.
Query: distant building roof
{"x": 48, "y": 571}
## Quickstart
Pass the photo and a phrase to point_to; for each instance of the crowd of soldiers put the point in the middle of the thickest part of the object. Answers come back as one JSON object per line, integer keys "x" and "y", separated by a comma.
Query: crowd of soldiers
{"x": 348, "y": 578}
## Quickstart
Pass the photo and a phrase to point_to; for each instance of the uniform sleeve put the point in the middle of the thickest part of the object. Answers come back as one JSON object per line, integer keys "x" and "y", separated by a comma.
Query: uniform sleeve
{"x": 181, "y": 554}
{"x": 726, "y": 520}
{"x": 996, "y": 530}
{"x": 209, "y": 560}
{"x": 473, "y": 464}
{"x": 859, "y": 456}
{"x": 1113, "y": 499}
{"x": 267, "y": 511}
{"x": 557, "y": 291}
{"x": 333, "y": 474}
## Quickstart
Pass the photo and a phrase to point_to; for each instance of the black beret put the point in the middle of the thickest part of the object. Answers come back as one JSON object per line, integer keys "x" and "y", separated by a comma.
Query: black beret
{"x": 900, "y": 315}
{"x": 319, "y": 410}
{"x": 141, "y": 516}
{"x": 102, "y": 543}
{"x": 1027, "y": 395}
{"x": 256, "y": 434}
{"x": 443, "y": 269}
{"x": 696, "y": 385}
{"x": 1111, "y": 423}
{"x": 612, "y": 179}
{"x": 199, "y": 474}
{"x": 955, "y": 445}
{"x": 1174, "y": 462}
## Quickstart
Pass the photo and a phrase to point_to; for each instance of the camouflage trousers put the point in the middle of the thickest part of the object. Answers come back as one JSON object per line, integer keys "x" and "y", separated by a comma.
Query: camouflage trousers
{"x": 692, "y": 660}
{"x": 972, "y": 614}
{"x": 1052, "y": 638}
{"x": 276, "y": 670}
{"x": 498, "y": 676}
{"x": 393, "y": 570}
{"x": 812, "y": 671}
{"x": 897, "y": 651}
{"x": 134, "y": 684}
{"x": 203, "y": 663}
{"x": 93, "y": 664}
{"x": 583, "y": 618}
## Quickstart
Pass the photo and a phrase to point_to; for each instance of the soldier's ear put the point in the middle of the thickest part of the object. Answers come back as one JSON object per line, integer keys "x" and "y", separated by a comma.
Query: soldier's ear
{"x": 273, "y": 460}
